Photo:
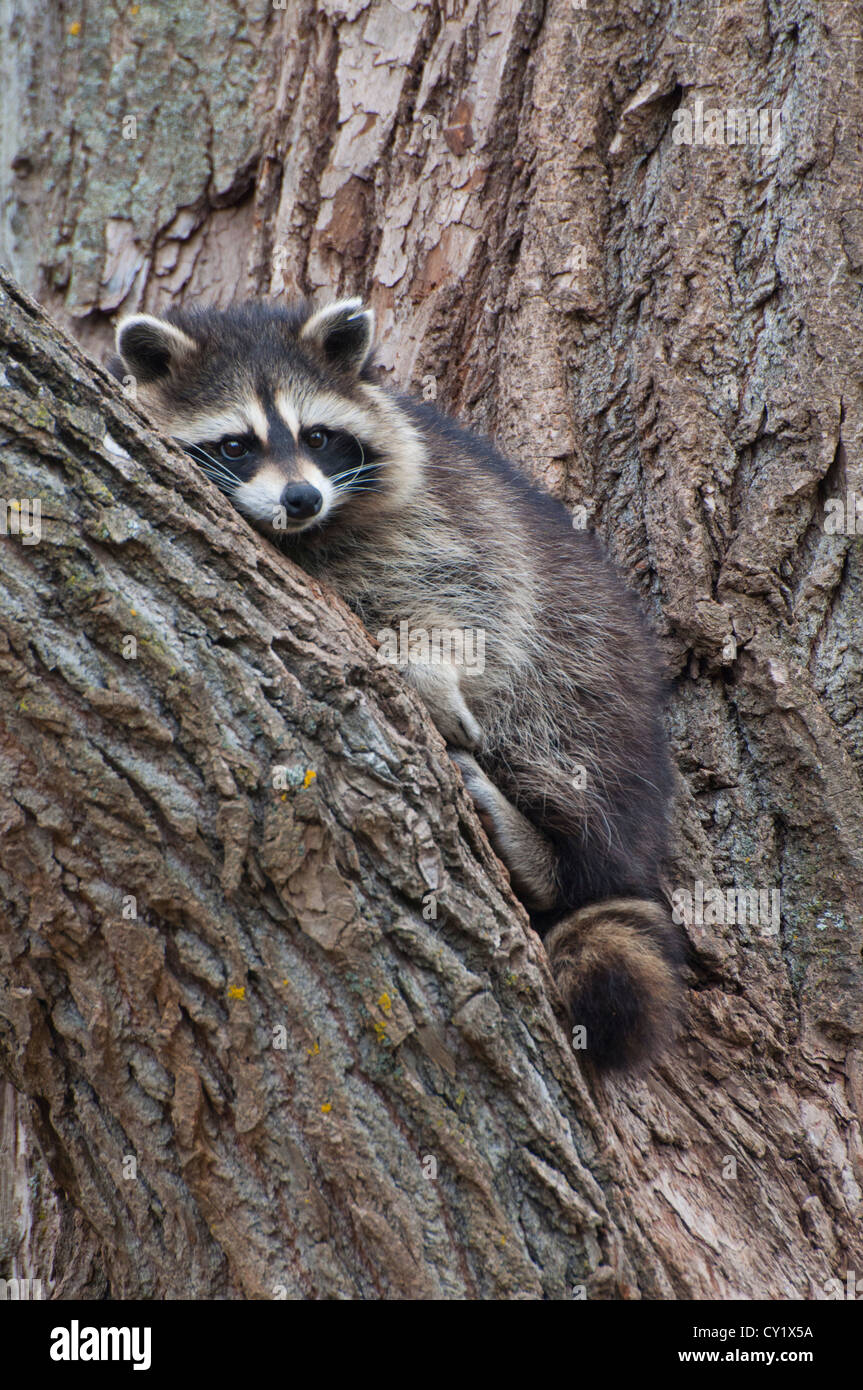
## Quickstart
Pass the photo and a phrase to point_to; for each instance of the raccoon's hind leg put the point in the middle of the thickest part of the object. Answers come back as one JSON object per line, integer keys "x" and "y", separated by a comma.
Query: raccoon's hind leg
{"x": 616, "y": 965}
{"x": 615, "y": 962}
{"x": 525, "y": 851}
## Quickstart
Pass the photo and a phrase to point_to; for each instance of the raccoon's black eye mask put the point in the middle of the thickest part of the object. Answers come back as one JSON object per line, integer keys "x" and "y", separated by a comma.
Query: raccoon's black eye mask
{"x": 341, "y": 456}
{"x": 345, "y": 460}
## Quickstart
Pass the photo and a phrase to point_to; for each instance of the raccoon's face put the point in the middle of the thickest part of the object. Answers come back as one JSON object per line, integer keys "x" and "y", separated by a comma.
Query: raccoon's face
{"x": 277, "y": 407}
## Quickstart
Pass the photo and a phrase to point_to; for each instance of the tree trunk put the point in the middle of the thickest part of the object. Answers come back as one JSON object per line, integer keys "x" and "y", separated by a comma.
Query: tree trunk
{"x": 666, "y": 334}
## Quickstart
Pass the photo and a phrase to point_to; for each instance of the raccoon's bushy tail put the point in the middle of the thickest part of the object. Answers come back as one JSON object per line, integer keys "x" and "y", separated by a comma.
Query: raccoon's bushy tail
{"x": 616, "y": 965}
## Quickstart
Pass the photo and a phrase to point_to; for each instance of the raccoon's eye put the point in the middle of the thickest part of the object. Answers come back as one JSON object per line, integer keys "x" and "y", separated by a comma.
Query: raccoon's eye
{"x": 317, "y": 439}
{"x": 233, "y": 449}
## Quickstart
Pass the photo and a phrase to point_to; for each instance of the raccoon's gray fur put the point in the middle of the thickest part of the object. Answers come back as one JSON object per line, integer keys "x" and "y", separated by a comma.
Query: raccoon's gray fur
{"x": 412, "y": 519}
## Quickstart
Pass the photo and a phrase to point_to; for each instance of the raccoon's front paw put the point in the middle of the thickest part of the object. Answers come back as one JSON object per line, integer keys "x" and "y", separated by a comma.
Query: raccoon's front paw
{"x": 483, "y": 792}
{"x": 456, "y": 725}
{"x": 438, "y": 686}
{"x": 469, "y": 730}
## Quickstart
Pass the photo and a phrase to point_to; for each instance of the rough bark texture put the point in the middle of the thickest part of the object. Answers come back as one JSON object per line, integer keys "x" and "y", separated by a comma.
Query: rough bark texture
{"x": 667, "y": 335}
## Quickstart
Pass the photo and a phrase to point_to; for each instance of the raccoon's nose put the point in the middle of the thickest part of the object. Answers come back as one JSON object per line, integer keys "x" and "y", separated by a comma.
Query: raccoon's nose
{"x": 301, "y": 500}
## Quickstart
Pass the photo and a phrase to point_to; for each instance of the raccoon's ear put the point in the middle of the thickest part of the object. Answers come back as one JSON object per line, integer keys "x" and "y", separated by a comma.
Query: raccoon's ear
{"x": 150, "y": 347}
{"x": 114, "y": 364}
{"x": 343, "y": 332}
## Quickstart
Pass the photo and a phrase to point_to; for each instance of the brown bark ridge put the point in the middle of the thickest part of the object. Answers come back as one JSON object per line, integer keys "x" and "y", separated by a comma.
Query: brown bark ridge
{"x": 665, "y": 333}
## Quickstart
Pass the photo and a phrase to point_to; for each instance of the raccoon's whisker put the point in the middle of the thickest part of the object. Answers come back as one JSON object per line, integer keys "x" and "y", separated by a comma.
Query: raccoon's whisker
{"x": 350, "y": 485}
{"x": 219, "y": 475}
{"x": 218, "y": 472}
{"x": 196, "y": 452}
{"x": 211, "y": 466}
{"x": 226, "y": 478}
{"x": 228, "y": 488}
{"x": 353, "y": 484}
{"x": 354, "y": 472}
{"x": 362, "y": 453}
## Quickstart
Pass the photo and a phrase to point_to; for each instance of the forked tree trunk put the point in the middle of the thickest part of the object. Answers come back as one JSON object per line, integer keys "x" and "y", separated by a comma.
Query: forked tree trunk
{"x": 666, "y": 333}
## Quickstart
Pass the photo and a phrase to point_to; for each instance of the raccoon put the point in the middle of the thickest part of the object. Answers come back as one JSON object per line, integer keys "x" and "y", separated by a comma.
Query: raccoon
{"x": 412, "y": 519}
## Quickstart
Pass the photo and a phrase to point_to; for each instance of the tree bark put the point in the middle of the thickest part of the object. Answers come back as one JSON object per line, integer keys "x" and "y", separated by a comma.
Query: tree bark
{"x": 668, "y": 336}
